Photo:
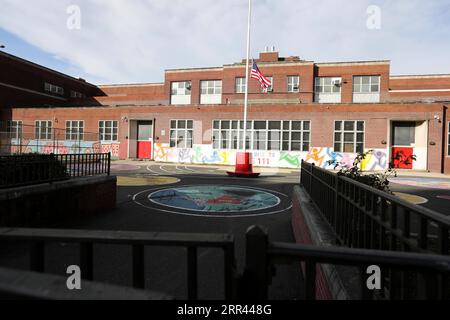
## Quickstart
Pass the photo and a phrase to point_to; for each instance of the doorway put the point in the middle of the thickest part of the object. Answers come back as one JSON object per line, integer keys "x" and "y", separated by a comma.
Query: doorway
{"x": 144, "y": 140}
{"x": 403, "y": 143}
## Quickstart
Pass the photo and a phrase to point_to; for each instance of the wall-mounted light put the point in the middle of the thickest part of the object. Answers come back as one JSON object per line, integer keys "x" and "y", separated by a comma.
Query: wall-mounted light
{"x": 125, "y": 119}
{"x": 437, "y": 117}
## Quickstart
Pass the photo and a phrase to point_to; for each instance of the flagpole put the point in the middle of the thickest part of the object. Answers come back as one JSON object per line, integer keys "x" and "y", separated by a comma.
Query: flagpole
{"x": 247, "y": 62}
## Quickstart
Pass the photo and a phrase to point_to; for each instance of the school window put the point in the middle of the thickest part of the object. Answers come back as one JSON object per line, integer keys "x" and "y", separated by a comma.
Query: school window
{"x": 328, "y": 85}
{"x": 54, "y": 89}
{"x": 262, "y": 135}
{"x": 293, "y": 84}
{"x": 76, "y": 94}
{"x": 74, "y": 130}
{"x": 14, "y": 129}
{"x": 211, "y": 87}
{"x": 181, "y": 133}
{"x": 366, "y": 84}
{"x": 43, "y": 130}
{"x": 240, "y": 85}
{"x": 270, "y": 88}
{"x": 108, "y": 130}
{"x": 181, "y": 88}
{"x": 349, "y": 136}
{"x": 448, "y": 140}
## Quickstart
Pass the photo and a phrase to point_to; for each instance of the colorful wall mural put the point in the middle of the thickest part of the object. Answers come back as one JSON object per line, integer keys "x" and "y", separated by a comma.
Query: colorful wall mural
{"x": 205, "y": 154}
{"x": 60, "y": 147}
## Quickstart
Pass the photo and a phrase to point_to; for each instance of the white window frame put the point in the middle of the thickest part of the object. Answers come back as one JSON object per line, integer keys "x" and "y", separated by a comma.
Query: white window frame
{"x": 207, "y": 85}
{"x": 270, "y": 88}
{"x": 292, "y": 83}
{"x": 448, "y": 140}
{"x": 79, "y": 130}
{"x": 239, "y": 86}
{"x": 180, "y": 88}
{"x": 103, "y": 130}
{"x": 54, "y": 89}
{"x": 14, "y": 129}
{"x": 47, "y": 134}
{"x": 186, "y": 143}
{"x": 76, "y": 95}
{"x": 319, "y": 85}
{"x": 229, "y": 132}
{"x": 355, "y": 132}
{"x": 369, "y": 85}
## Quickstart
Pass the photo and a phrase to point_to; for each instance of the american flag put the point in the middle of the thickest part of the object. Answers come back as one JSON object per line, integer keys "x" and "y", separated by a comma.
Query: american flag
{"x": 256, "y": 74}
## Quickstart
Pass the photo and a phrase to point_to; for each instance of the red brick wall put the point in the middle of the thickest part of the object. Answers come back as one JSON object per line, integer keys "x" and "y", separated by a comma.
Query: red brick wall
{"x": 376, "y": 116}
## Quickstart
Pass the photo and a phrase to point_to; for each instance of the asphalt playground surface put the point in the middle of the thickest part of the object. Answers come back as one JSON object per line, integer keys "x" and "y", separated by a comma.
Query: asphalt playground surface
{"x": 152, "y": 197}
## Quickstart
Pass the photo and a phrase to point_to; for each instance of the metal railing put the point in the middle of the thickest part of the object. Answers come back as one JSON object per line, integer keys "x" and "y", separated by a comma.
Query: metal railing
{"x": 21, "y": 170}
{"x": 138, "y": 241}
{"x": 364, "y": 217}
{"x": 427, "y": 275}
{"x": 26, "y": 139}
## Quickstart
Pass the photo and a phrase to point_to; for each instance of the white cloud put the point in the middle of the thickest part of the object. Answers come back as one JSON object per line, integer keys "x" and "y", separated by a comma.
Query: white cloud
{"x": 135, "y": 40}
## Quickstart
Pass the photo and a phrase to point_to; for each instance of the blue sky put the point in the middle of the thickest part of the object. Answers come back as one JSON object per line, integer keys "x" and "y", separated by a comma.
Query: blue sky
{"x": 128, "y": 41}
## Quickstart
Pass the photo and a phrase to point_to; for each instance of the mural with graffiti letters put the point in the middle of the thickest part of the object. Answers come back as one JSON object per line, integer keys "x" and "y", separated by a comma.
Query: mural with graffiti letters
{"x": 205, "y": 154}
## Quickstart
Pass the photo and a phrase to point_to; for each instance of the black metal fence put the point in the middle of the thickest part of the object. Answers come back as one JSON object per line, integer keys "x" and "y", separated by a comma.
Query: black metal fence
{"x": 38, "y": 238}
{"x": 427, "y": 274}
{"x": 403, "y": 275}
{"x": 20, "y": 170}
{"x": 364, "y": 217}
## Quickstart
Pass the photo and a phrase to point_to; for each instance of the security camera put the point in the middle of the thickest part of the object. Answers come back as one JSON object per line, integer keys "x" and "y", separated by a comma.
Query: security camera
{"x": 436, "y": 117}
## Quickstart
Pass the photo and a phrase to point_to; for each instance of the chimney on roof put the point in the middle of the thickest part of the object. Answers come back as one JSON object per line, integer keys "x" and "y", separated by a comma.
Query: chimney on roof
{"x": 269, "y": 55}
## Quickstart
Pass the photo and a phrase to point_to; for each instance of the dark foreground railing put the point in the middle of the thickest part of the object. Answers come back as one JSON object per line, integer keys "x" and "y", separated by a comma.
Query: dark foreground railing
{"x": 38, "y": 238}
{"x": 403, "y": 275}
{"x": 29, "y": 169}
{"x": 19, "y": 284}
{"x": 364, "y": 217}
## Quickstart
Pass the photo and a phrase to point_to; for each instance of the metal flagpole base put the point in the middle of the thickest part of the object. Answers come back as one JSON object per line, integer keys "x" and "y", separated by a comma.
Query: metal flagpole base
{"x": 244, "y": 167}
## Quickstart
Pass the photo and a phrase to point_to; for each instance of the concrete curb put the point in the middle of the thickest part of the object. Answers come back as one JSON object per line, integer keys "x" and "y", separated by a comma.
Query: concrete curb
{"x": 311, "y": 228}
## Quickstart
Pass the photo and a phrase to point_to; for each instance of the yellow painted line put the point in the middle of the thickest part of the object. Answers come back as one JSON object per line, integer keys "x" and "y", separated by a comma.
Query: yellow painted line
{"x": 141, "y": 181}
{"x": 411, "y": 198}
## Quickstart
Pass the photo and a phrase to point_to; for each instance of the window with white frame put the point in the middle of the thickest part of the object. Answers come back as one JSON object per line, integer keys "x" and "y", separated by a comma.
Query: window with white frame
{"x": 76, "y": 94}
{"x": 448, "y": 140}
{"x": 349, "y": 136}
{"x": 211, "y": 92}
{"x": 293, "y": 84}
{"x": 328, "y": 85}
{"x": 43, "y": 130}
{"x": 270, "y": 88}
{"x": 182, "y": 88}
{"x": 181, "y": 92}
{"x": 74, "y": 130}
{"x": 54, "y": 89}
{"x": 240, "y": 85}
{"x": 14, "y": 129}
{"x": 108, "y": 130}
{"x": 262, "y": 135}
{"x": 181, "y": 133}
{"x": 211, "y": 87}
{"x": 366, "y": 84}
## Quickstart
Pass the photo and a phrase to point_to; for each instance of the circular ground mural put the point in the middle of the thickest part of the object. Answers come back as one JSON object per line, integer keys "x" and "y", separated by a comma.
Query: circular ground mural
{"x": 215, "y": 198}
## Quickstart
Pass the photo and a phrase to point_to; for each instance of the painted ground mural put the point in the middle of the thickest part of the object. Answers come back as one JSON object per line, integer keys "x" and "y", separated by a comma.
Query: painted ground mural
{"x": 205, "y": 154}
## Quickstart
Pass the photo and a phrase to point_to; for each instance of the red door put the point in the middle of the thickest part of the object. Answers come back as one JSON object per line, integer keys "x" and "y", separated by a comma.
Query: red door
{"x": 402, "y": 157}
{"x": 144, "y": 150}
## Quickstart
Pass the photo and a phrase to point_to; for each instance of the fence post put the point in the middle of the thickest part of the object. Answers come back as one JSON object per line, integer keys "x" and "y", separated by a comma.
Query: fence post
{"x": 256, "y": 274}
{"x": 311, "y": 180}
{"x": 109, "y": 163}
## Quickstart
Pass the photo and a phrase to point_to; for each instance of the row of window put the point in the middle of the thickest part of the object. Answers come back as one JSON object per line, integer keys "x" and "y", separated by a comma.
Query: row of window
{"x": 54, "y": 89}
{"x": 361, "y": 84}
{"x": 43, "y": 130}
{"x": 268, "y": 135}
